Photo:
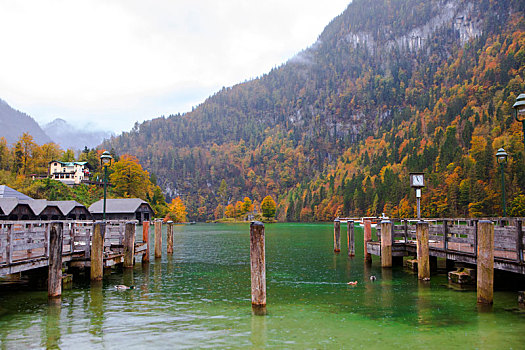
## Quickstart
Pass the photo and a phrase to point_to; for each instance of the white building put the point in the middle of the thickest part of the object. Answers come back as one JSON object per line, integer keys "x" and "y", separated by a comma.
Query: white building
{"x": 70, "y": 173}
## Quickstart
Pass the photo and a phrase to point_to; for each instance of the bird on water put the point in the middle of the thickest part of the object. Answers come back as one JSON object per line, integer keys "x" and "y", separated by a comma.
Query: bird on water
{"x": 373, "y": 278}
{"x": 123, "y": 287}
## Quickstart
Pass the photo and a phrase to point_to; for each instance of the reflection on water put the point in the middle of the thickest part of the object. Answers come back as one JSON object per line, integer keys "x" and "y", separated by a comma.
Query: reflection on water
{"x": 200, "y": 297}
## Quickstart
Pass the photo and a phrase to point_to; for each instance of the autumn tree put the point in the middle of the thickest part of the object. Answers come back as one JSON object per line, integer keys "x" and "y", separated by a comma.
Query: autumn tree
{"x": 129, "y": 179}
{"x": 268, "y": 207}
{"x": 177, "y": 211}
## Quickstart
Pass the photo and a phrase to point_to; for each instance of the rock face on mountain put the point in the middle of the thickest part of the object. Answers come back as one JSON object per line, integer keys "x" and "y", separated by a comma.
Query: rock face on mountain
{"x": 14, "y": 123}
{"x": 69, "y": 137}
{"x": 389, "y": 87}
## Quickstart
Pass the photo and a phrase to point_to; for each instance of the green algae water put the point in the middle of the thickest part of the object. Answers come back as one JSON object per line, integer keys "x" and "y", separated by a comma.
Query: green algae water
{"x": 200, "y": 298}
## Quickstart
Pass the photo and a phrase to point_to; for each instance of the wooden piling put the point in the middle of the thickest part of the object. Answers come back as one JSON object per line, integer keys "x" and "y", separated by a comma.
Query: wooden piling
{"x": 386, "y": 243}
{"x": 129, "y": 244}
{"x": 145, "y": 239}
{"x": 351, "y": 238}
{"x": 54, "y": 282}
{"x": 485, "y": 261}
{"x": 170, "y": 237}
{"x": 423, "y": 260}
{"x": 337, "y": 235}
{"x": 258, "y": 268}
{"x": 158, "y": 239}
{"x": 367, "y": 238}
{"x": 97, "y": 251}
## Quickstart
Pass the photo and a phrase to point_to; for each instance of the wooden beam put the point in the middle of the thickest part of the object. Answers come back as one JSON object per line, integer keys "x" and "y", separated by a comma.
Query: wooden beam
{"x": 258, "y": 268}
{"x": 54, "y": 281}
{"x": 386, "y": 243}
{"x": 158, "y": 239}
{"x": 169, "y": 237}
{"x": 485, "y": 262}
{"x": 423, "y": 261}
{"x": 97, "y": 251}
{"x": 129, "y": 244}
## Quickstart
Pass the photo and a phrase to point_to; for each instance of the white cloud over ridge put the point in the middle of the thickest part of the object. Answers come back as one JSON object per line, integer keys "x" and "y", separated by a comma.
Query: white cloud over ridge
{"x": 116, "y": 62}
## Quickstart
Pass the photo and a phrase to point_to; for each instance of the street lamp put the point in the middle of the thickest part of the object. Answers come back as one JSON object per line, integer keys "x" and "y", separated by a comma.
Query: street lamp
{"x": 105, "y": 161}
{"x": 519, "y": 112}
{"x": 501, "y": 157}
{"x": 417, "y": 180}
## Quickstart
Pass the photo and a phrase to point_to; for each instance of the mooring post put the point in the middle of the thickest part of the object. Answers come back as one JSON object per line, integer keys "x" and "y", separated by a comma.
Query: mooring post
{"x": 367, "y": 238}
{"x": 258, "y": 268}
{"x": 170, "y": 237}
{"x": 97, "y": 251}
{"x": 54, "y": 281}
{"x": 386, "y": 243}
{"x": 351, "y": 238}
{"x": 337, "y": 235}
{"x": 145, "y": 239}
{"x": 129, "y": 244}
{"x": 158, "y": 239}
{"x": 423, "y": 260}
{"x": 485, "y": 262}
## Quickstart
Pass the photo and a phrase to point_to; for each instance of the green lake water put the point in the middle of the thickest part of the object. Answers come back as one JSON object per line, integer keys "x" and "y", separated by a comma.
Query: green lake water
{"x": 200, "y": 298}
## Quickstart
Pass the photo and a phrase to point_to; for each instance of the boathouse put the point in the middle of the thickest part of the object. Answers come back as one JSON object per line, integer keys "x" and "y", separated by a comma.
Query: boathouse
{"x": 14, "y": 209}
{"x": 122, "y": 209}
{"x": 8, "y": 192}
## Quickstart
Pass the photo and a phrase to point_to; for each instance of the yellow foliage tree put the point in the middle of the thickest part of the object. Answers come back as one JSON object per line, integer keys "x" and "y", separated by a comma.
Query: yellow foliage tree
{"x": 177, "y": 211}
{"x": 129, "y": 179}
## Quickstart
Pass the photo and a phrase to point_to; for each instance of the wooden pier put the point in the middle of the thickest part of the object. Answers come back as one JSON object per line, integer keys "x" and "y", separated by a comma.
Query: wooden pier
{"x": 28, "y": 245}
{"x": 457, "y": 240}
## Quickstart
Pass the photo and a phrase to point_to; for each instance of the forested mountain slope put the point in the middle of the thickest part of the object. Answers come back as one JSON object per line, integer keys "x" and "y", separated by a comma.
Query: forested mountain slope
{"x": 391, "y": 86}
{"x": 14, "y": 123}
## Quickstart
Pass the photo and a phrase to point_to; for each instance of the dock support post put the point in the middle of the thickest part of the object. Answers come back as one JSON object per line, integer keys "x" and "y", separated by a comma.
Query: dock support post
{"x": 158, "y": 239}
{"x": 145, "y": 239}
{"x": 386, "y": 243}
{"x": 129, "y": 244}
{"x": 258, "y": 268}
{"x": 337, "y": 235}
{"x": 351, "y": 238}
{"x": 423, "y": 260}
{"x": 170, "y": 237}
{"x": 367, "y": 238}
{"x": 54, "y": 281}
{"x": 485, "y": 254}
{"x": 97, "y": 251}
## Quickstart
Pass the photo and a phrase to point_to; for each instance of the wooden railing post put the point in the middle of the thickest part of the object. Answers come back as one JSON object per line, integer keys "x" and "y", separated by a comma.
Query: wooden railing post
{"x": 145, "y": 239}
{"x": 97, "y": 251}
{"x": 519, "y": 241}
{"x": 129, "y": 244}
{"x": 170, "y": 237}
{"x": 158, "y": 239}
{"x": 386, "y": 243}
{"x": 9, "y": 247}
{"x": 367, "y": 238}
{"x": 258, "y": 268}
{"x": 54, "y": 281}
{"x": 337, "y": 235}
{"x": 485, "y": 262}
{"x": 351, "y": 237}
{"x": 423, "y": 260}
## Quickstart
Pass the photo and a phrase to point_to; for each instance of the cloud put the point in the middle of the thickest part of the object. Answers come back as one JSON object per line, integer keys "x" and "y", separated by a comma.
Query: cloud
{"x": 133, "y": 60}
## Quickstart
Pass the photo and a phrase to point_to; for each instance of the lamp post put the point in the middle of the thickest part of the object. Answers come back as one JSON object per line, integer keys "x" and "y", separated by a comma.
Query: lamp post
{"x": 501, "y": 157}
{"x": 105, "y": 161}
{"x": 519, "y": 112}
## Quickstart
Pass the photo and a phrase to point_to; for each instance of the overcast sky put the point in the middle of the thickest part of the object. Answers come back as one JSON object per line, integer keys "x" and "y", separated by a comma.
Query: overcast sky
{"x": 111, "y": 63}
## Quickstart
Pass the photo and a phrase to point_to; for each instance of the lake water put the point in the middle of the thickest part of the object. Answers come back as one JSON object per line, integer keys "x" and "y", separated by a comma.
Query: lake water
{"x": 200, "y": 298}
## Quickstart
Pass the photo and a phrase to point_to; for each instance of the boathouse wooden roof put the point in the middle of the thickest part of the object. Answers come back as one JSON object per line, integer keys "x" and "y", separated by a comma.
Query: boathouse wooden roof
{"x": 8, "y": 192}
{"x": 117, "y": 206}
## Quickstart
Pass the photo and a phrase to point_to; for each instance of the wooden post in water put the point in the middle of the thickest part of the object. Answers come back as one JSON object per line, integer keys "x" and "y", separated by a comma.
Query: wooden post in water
{"x": 97, "y": 251}
{"x": 258, "y": 268}
{"x": 158, "y": 239}
{"x": 145, "y": 239}
{"x": 367, "y": 238}
{"x": 170, "y": 237}
{"x": 350, "y": 236}
{"x": 386, "y": 243}
{"x": 423, "y": 260}
{"x": 129, "y": 244}
{"x": 54, "y": 281}
{"x": 485, "y": 261}
{"x": 337, "y": 235}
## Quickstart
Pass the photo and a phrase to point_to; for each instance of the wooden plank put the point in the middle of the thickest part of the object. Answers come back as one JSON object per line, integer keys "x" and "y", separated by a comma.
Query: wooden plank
{"x": 54, "y": 286}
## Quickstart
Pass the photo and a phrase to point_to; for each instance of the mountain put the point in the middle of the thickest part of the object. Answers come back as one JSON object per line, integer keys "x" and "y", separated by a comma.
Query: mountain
{"x": 14, "y": 123}
{"x": 388, "y": 88}
{"x": 69, "y": 137}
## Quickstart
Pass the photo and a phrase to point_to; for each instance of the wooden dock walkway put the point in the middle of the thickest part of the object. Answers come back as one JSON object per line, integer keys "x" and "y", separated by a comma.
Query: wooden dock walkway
{"x": 25, "y": 245}
{"x": 457, "y": 240}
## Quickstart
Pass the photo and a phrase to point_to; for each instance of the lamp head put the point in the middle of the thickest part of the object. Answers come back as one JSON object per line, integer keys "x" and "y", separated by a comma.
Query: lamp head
{"x": 519, "y": 107}
{"x": 105, "y": 159}
{"x": 501, "y": 156}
